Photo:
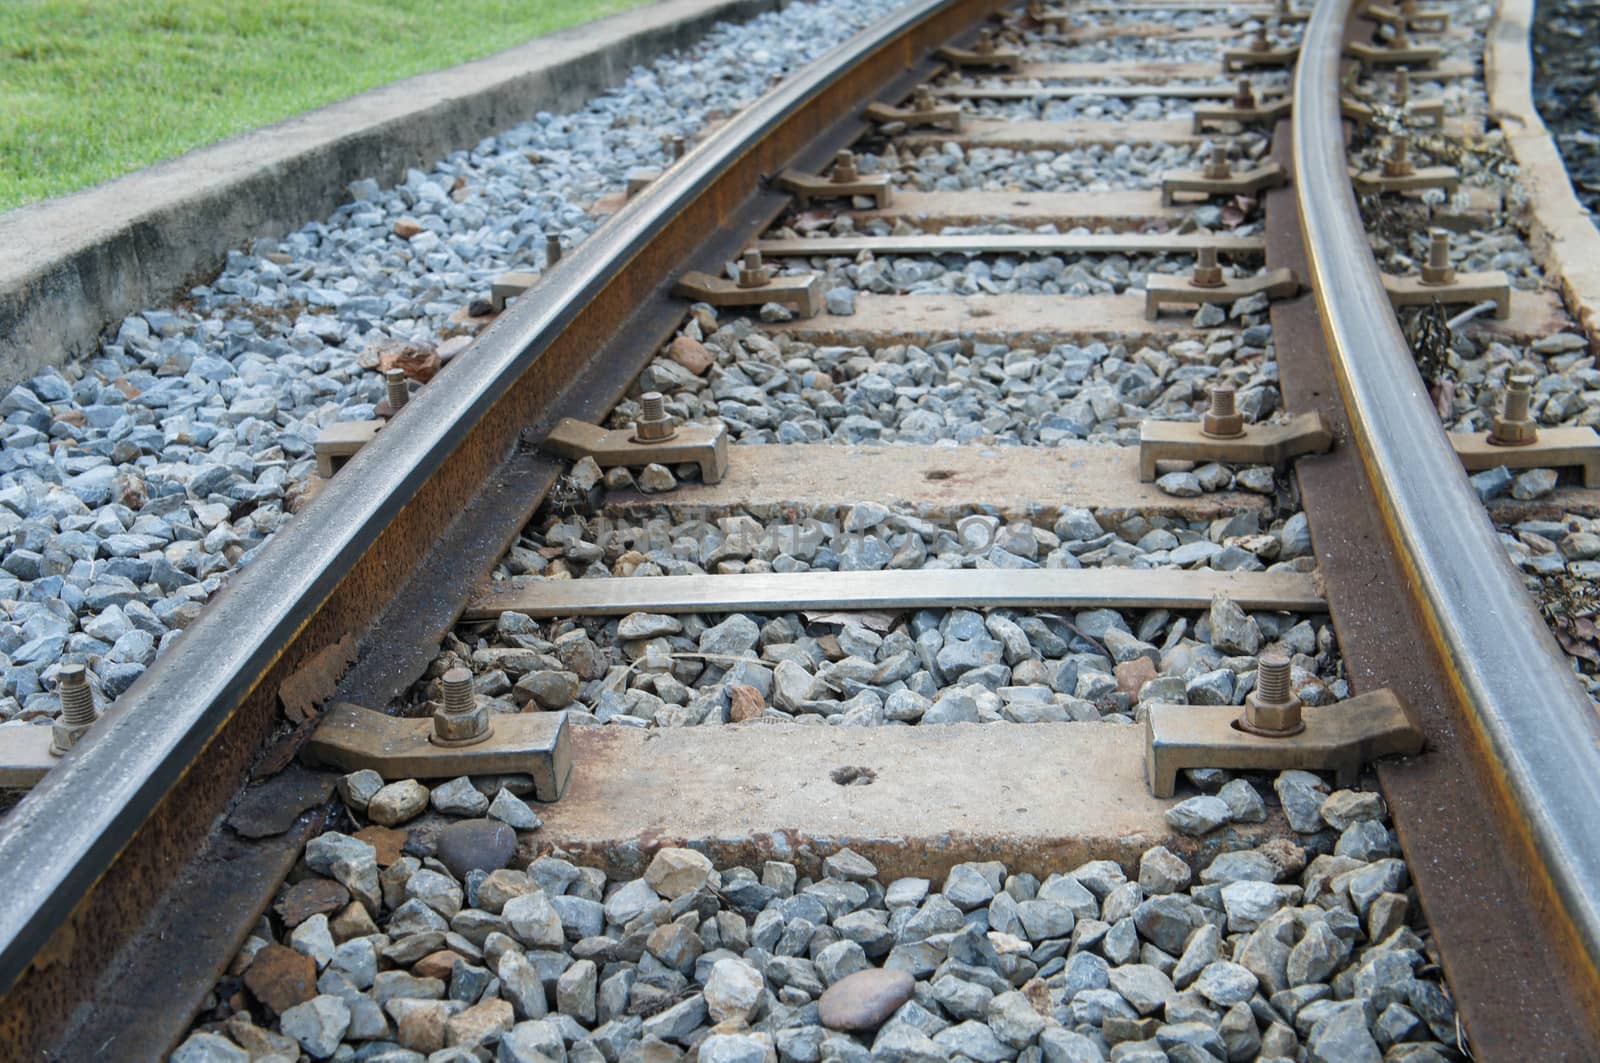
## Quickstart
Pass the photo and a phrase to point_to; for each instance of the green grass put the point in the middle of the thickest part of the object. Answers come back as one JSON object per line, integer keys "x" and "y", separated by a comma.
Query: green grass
{"x": 91, "y": 89}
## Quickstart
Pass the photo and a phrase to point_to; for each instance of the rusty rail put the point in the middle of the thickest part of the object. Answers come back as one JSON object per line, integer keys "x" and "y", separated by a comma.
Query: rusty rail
{"x": 1530, "y": 727}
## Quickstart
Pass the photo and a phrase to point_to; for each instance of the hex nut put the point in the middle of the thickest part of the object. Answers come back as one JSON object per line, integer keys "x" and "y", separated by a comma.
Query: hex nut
{"x": 461, "y": 728}
{"x": 63, "y": 736}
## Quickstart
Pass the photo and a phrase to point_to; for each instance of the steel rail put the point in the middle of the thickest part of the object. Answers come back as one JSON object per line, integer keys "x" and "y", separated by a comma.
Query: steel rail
{"x": 1532, "y": 726}
{"x": 64, "y": 840}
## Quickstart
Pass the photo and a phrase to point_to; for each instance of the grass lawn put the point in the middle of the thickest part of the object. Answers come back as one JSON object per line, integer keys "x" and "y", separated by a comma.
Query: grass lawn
{"x": 90, "y": 89}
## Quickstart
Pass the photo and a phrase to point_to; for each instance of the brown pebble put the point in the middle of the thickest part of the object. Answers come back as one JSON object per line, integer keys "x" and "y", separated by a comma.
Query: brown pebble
{"x": 389, "y": 842}
{"x": 692, "y": 355}
{"x": 314, "y": 896}
{"x": 864, "y": 1000}
{"x": 280, "y": 978}
{"x": 744, "y": 703}
{"x": 406, "y": 228}
{"x": 1133, "y": 675}
{"x": 436, "y": 965}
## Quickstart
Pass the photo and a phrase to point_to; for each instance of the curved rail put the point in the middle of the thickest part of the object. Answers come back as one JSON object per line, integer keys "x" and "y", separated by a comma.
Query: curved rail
{"x": 1532, "y": 724}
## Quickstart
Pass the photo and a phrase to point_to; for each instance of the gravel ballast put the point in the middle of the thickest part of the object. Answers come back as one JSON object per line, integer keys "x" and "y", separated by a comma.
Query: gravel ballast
{"x": 407, "y": 944}
{"x": 132, "y": 482}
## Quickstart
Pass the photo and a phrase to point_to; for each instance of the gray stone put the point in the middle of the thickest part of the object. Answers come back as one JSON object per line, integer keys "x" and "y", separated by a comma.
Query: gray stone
{"x": 1198, "y": 815}
{"x": 475, "y": 844}
{"x": 458, "y": 797}
{"x": 318, "y": 1025}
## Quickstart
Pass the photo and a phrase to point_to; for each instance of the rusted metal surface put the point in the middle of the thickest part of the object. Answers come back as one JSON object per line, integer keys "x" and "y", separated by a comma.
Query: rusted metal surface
{"x": 1504, "y": 948}
{"x": 419, "y": 512}
{"x": 706, "y": 445}
{"x": 1340, "y": 738}
{"x": 1272, "y": 443}
{"x": 536, "y": 744}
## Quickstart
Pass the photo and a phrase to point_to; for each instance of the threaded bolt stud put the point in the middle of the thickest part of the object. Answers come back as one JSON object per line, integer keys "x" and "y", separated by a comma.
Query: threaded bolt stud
{"x": 1272, "y": 678}
{"x": 922, "y": 98}
{"x": 457, "y": 685}
{"x": 1271, "y": 709}
{"x": 1402, "y": 87}
{"x": 77, "y": 709}
{"x": 461, "y": 721}
{"x": 1222, "y": 420}
{"x": 985, "y": 43}
{"x": 1260, "y": 42}
{"x": 654, "y": 424}
{"x": 552, "y": 250}
{"x": 679, "y": 145}
{"x": 77, "y": 697}
{"x": 1245, "y": 98}
{"x": 396, "y": 389}
{"x": 1514, "y": 425}
{"x": 1438, "y": 269}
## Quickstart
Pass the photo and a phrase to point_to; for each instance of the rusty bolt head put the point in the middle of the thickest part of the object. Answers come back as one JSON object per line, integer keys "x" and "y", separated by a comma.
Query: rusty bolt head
{"x": 752, "y": 274}
{"x": 1245, "y": 98}
{"x": 1207, "y": 271}
{"x": 63, "y": 736}
{"x": 1217, "y": 166}
{"x": 1398, "y": 162}
{"x": 922, "y": 99}
{"x": 844, "y": 168}
{"x": 1222, "y": 420}
{"x": 462, "y": 720}
{"x": 1437, "y": 270}
{"x": 1514, "y": 425}
{"x": 654, "y": 424}
{"x": 1260, "y": 42}
{"x": 1272, "y": 709}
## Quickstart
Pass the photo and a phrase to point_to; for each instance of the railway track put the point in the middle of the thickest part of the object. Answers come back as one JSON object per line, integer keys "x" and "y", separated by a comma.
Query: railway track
{"x": 857, "y": 552}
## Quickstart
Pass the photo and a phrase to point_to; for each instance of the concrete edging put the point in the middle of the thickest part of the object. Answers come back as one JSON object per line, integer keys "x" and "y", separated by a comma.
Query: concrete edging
{"x": 77, "y": 263}
{"x": 1564, "y": 240}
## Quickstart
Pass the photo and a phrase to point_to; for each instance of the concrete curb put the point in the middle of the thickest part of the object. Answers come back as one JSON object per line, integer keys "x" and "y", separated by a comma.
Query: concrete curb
{"x": 1564, "y": 239}
{"x": 78, "y": 263}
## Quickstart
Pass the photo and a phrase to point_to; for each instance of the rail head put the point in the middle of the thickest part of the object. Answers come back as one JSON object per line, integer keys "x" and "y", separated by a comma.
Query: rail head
{"x": 1529, "y": 719}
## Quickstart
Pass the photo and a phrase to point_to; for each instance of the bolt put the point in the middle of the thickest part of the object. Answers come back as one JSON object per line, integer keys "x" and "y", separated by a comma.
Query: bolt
{"x": 654, "y": 424}
{"x": 1402, "y": 87}
{"x": 1260, "y": 43}
{"x": 1217, "y": 167}
{"x": 77, "y": 708}
{"x": 396, "y": 389}
{"x": 678, "y": 145}
{"x": 1271, "y": 709}
{"x": 1398, "y": 162}
{"x": 1513, "y": 425}
{"x": 1245, "y": 98}
{"x": 844, "y": 168}
{"x": 1438, "y": 269}
{"x": 460, "y": 721}
{"x": 985, "y": 43}
{"x": 922, "y": 99}
{"x": 1207, "y": 273}
{"x": 752, "y": 274}
{"x": 1222, "y": 420}
{"x": 552, "y": 250}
